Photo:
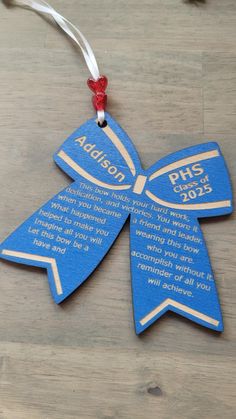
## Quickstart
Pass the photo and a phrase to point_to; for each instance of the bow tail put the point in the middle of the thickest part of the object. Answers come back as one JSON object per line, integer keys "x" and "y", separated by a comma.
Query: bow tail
{"x": 68, "y": 236}
{"x": 171, "y": 271}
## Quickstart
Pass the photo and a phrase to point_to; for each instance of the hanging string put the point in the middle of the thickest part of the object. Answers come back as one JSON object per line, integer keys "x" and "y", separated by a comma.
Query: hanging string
{"x": 41, "y": 6}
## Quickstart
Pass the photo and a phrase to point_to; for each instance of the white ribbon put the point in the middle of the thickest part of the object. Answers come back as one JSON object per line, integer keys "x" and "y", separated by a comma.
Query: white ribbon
{"x": 71, "y": 30}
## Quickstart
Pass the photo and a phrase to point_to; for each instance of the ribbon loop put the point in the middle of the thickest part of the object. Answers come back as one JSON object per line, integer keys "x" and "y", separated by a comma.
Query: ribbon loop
{"x": 73, "y": 32}
{"x": 194, "y": 179}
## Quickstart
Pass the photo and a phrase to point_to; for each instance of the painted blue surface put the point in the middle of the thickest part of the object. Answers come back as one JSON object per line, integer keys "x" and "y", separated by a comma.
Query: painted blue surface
{"x": 73, "y": 231}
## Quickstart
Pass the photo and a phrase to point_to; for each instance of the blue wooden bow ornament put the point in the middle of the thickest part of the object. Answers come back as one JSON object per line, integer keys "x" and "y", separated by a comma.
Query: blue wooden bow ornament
{"x": 72, "y": 232}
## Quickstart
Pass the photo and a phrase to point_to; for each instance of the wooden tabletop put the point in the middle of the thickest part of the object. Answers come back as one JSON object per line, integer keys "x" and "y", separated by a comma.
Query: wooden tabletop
{"x": 171, "y": 67}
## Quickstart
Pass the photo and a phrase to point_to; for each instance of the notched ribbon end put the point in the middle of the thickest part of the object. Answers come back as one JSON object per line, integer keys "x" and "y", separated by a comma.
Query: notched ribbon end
{"x": 181, "y": 309}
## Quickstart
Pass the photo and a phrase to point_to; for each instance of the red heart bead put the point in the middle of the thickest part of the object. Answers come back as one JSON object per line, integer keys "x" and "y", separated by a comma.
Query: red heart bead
{"x": 99, "y": 85}
{"x": 100, "y": 101}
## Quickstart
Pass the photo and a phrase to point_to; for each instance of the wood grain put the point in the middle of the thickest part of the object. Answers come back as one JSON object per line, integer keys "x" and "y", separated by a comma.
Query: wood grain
{"x": 171, "y": 68}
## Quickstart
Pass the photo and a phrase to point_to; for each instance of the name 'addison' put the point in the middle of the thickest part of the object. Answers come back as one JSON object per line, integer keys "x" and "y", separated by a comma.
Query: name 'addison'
{"x": 100, "y": 157}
